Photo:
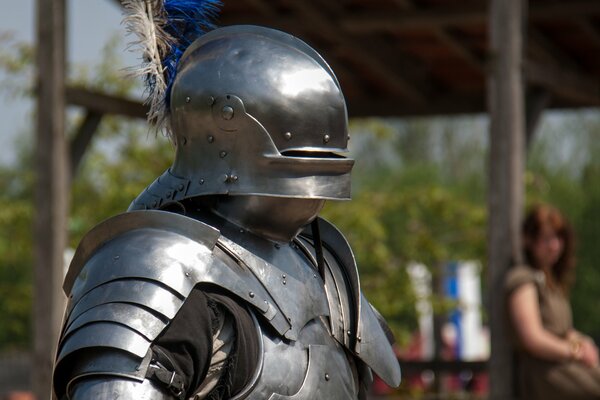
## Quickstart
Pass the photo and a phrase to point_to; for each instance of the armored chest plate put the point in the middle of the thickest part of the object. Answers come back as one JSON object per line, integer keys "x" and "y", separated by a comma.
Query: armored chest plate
{"x": 313, "y": 367}
{"x": 305, "y": 361}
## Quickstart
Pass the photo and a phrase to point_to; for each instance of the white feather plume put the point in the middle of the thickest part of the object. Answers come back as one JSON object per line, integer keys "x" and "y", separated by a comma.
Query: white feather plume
{"x": 145, "y": 19}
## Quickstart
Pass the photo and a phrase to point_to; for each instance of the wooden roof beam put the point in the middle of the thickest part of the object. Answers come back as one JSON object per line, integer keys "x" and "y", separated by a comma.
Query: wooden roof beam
{"x": 459, "y": 48}
{"x": 262, "y": 7}
{"x": 469, "y": 13}
{"x": 550, "y": 50}
{"x": 565, "y": 83}
{"x": 450, "y": 104}
{"x": 404, "y": 4}
{"x": 105, "y": 104}
{"x": 590, "y": 30}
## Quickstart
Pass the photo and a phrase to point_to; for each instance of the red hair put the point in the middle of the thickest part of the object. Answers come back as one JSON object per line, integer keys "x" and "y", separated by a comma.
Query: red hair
{"x": 539, "y": 217}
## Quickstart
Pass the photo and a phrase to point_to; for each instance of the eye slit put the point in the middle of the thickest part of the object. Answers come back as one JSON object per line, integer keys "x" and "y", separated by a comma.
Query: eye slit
{"x": 311, "y": 154}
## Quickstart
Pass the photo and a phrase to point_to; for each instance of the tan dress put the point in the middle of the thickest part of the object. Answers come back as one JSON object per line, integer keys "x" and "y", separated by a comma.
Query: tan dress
{"x": 547, "y": 380}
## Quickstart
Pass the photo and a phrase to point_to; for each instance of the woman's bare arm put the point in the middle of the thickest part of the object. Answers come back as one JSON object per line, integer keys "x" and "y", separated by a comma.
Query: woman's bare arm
{"x": 524, "y": 311}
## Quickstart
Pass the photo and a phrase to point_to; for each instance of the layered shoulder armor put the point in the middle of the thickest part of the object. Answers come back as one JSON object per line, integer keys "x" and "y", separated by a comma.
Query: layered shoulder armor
{"x": 128, "y": 279}
{"x": 355, "y": 323}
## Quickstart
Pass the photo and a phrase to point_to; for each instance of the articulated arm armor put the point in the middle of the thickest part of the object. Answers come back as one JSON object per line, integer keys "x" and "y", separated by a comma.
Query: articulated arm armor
{"x": 132, "y": 274}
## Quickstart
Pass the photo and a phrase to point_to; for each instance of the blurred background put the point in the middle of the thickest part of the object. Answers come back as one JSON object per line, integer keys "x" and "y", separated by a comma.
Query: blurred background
{"x": 415, "y": 75}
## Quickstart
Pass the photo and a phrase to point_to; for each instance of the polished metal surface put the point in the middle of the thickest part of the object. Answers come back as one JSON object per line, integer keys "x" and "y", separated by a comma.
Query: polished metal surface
{"x": 376, "y": 351}
{"x": 275, "y": 218}
{"x": 369, "y": 341}
{"x": 338, "y": 247}
{"x": 112, "y": 388}
{"x": 142, "y": 293}
{"x": 104, "y": 334}
{"x": 297, "y": 291}
{"x": 99, "y": 362}
{"x": 261, "y": 106}
{"x": 336, "y": 293}
{"x": 314, "y": 366}
{"x": 169, "y": 258}
{"x": 114, "y": 226}
{"x": 139, "y": 319}
{"x": 145, "y": 253}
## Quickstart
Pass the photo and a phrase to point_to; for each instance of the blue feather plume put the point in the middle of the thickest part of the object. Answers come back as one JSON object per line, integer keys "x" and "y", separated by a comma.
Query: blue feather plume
{"x": 187, "y": 20}
{"x": 164, "y": 30}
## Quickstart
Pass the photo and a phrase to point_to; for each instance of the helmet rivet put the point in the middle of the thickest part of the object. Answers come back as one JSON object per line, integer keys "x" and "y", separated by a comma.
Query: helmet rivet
{"x": 227, "y": 113}
{"x": 348, "y": 137}
{"x": 210, "y": 101}
{"x": 326, "y": 377}
{"x": 326, "y": 138}
{"x": 201, "y": 181}
{"x": 180, "y": 187}
{"x": 210, "y": 138}
{"x": 288, "y": 135}
{"x": 223, "y": 154}
{"x": 251, "y": 294}
{"x": 188, "y": 99}
{"x": 183, "y": 140}
{"x": 228, "y": 178}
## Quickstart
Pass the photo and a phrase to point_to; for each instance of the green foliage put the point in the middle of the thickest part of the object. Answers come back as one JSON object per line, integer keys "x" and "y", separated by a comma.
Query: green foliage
{"x": 15, "y": 258}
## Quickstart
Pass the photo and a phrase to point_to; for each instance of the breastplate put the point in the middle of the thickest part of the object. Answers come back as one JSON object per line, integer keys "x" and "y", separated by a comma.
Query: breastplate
{"x": 307, "y": 362}
{"x": 313, "y": 367}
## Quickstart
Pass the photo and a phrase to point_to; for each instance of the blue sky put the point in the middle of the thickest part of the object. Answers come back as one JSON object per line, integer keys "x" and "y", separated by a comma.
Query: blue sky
{"x": 91, "y": 23}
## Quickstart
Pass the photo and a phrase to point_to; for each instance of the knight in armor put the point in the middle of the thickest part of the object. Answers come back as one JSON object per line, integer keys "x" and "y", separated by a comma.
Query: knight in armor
{"x": 221, "y": 281}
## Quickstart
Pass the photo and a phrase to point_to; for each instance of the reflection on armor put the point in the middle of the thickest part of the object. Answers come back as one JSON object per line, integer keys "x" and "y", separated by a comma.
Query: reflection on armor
{"x": 259, "y": 119}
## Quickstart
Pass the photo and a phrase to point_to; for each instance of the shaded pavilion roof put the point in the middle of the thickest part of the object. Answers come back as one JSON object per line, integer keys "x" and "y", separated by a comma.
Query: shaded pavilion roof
{"x": 427, "y": 57}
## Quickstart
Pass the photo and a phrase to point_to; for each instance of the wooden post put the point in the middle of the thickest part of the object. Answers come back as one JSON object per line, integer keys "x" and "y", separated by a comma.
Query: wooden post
{"x": 505, "y": 194}
{"x": 51, "y": 191}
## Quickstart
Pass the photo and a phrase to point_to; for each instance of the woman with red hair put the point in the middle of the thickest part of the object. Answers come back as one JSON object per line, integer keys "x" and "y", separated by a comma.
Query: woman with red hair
{"x": 555, "y": 360}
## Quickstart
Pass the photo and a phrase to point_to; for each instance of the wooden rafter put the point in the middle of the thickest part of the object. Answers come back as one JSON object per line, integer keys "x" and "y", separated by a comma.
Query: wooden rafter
{"x": 105, "y": 104}
{"x": 550, "y": 50}
{"x": 446, "y": 104}
{"x": 468, "y": 13}
{"x": 590, "y": 30}
{"x": 262, "y": 6}
{"x": 460, "y": 49}
{"x": 83, "y": 138}
{"x": 565, "y": 83}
